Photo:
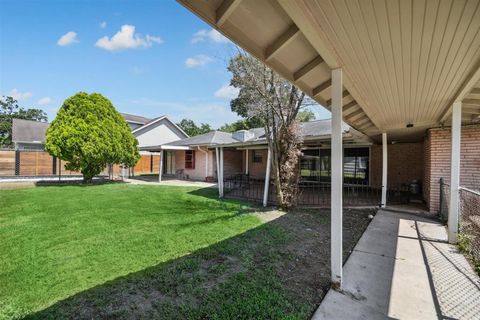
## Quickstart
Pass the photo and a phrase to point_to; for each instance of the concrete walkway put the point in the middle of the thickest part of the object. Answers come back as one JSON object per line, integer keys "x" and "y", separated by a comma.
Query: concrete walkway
{"x": 403, "y": 268}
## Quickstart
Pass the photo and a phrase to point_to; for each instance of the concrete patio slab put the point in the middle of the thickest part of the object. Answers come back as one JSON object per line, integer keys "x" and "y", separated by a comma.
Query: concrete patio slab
{"x": 153, "y": 180}
{"x": 403, "y": 268}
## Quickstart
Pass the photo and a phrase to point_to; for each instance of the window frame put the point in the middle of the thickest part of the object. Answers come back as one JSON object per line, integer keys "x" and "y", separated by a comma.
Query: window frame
{"x": 257, "y": 156}
{"x": 189, "y": 161}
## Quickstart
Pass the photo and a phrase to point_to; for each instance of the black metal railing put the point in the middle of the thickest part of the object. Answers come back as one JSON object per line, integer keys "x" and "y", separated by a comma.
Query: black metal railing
{"x": 314, "y": 193}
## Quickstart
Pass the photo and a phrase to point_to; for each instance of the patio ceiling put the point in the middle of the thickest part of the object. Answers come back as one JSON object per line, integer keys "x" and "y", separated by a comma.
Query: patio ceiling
{"x": 404, "y": 62}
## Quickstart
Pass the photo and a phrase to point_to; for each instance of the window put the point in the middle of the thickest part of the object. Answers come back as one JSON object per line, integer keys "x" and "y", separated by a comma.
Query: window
{"x": 257, "y": 156}
{"x": 189, "y": 159}
{"x": 355, "y": 164}
{"x": 315, "y": 165}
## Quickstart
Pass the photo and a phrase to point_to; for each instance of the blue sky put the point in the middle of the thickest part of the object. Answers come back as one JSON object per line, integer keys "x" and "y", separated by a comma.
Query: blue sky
{"x": 148, "y": 57}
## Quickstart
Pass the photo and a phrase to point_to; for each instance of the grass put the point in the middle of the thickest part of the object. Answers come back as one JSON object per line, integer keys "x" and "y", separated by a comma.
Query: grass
{"x": 58, "y": 241}
{"x": 133, "y": 252}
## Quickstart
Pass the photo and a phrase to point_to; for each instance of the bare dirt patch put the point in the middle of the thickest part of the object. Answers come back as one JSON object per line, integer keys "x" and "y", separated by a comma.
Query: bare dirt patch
{"x": 280, "y": 269}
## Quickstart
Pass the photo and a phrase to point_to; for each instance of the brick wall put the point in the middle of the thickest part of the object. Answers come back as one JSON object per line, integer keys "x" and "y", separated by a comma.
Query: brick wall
{"x": 405, "y": 163}
{"x": 438, "y": 158}
{"x": 257, "y": 169}
{"x": 198, "y": 173}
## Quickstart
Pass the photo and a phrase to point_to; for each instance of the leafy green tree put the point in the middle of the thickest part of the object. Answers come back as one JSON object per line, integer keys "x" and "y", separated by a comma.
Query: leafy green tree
{"x": 191, "y": 128}
{"x": 240, "y": 106}
{"x": 235, "y": 126}
{"x": 9, "y": 110}
{"x": 89, "y": 133}
{"x": 305, "y": 115}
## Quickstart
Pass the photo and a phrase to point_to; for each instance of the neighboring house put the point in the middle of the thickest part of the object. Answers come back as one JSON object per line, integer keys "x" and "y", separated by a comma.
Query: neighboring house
{"x": 30, "y": 135}
{"x": 135, "y": 121}
{"x": 160, "y": 129}
{"x": 245, "y": 152}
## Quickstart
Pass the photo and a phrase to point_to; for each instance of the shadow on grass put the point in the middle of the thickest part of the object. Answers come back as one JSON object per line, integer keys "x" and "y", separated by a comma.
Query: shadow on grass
{"x": 77, "y": 183}
{"x": 277, "y": 270}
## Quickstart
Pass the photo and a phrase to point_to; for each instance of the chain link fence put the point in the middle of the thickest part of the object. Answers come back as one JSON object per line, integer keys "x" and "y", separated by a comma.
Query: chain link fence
{"x": 470, "y": 222}
{"x": 469, "y": 219}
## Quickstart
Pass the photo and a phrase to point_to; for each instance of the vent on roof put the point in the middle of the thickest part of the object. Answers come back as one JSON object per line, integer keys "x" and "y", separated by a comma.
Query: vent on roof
{"x": 243, "y": 135}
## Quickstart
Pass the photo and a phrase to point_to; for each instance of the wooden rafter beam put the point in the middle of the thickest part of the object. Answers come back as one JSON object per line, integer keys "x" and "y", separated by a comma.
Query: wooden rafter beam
{"x": 321, "y": 87}
{"x": 354, "y": 114}
{"x": 366, "y": 123}
{"x": 307, "y": 68}
{"x": 281, "y": 41}
{"x": 475, "y": 91}
{"x": 475, "y": 102}
{"x": 344, "y": 94}
{"x": 349, "y": 105}
{"x": 365, "y": 126}
{"x": 225, "y": 10}
{"x": 468, "y": 110}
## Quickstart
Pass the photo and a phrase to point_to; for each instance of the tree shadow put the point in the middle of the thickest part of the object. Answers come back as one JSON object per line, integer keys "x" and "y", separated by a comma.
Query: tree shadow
{"x": 280, "y": 269}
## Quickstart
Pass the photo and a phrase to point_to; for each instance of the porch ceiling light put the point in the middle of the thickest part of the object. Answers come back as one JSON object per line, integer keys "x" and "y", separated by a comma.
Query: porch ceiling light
{"x": 409, "y": 125}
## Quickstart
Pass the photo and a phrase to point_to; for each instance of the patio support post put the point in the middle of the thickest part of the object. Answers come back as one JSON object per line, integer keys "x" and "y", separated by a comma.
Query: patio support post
{"x": 246, "y": 161}
{"x": 221, "y": 173}
{"x": 160, "y": 172}
{"x": 383, "y": 202}
{"x": 455, "y": 172}
{"x": 206, "y": 164}
{"x": 217, "y": 157}
{"x": 337, "y": 180}
{"x": 267, "y": 177}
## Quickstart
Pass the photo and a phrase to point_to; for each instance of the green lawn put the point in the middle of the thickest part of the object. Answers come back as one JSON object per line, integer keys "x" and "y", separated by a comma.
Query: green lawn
{"x": 58, "y": 241}
{"x": 140, "y": 252}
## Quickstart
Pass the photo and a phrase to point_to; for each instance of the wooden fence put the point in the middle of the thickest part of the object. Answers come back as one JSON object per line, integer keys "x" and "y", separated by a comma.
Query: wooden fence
{"x": 40, "y": 163}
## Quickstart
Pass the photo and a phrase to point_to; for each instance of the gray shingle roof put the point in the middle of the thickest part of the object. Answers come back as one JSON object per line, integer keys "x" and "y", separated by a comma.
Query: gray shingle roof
{"x": 29, "y": 131}
{"x": 309, "y": 129}
{"x": 210, "y": 138}
{"x": 34, "y": 131}
{"x": 135, "y": 118}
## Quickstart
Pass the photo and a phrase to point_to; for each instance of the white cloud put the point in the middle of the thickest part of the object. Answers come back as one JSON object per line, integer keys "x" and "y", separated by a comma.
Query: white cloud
{"x": 17, "y": 95}
{"x": 67, "y": 39}
{"x": 103, "y": 24}
{"x": 212, "y": 35}
{"x": 44, "y": 101}
{"x": 126, "y": 38}
{"x": 226, "y": 91}
{"x": 198, "y": 61}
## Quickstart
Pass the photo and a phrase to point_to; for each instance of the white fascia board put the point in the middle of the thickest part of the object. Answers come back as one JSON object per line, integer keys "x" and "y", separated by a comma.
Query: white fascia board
{"x": 174, "y": 147}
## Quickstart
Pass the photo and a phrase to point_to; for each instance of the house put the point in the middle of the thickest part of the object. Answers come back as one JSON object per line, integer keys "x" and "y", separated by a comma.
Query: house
{"x": 30, "y": 135}
{"x": 245, "y": 152}
{"x": 406, "y": 78}
{"x": 422, "y": 162}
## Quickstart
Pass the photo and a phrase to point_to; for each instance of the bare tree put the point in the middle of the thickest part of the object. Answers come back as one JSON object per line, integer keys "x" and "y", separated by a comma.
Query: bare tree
{"x": 275, "y": 102}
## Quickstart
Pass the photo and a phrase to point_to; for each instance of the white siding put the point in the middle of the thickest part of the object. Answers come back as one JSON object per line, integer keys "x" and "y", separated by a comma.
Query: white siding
{"x": 159, "y": 133}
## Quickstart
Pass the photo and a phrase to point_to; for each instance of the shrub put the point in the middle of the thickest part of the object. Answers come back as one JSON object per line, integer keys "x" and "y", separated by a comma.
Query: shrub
{"x": 89, "y": 133}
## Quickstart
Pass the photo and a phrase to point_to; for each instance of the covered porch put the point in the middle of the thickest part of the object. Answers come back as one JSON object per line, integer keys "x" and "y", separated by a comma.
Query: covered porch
{"x": 390, "y": 69}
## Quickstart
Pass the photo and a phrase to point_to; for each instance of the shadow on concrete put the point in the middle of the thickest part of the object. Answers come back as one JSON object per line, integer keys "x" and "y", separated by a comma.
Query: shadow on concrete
{"x": 403, "y": 268}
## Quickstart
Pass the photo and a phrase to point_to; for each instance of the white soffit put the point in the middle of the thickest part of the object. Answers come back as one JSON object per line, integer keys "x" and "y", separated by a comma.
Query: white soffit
{"x": 403, "y": 61}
